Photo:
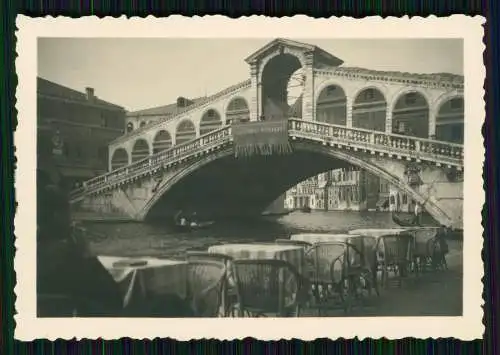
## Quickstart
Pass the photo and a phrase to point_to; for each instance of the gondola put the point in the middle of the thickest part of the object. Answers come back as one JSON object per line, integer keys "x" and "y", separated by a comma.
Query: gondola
{"x": 188, "y": 228}
{"x": 403, "y": 220}
{"x": 306, "y": 209}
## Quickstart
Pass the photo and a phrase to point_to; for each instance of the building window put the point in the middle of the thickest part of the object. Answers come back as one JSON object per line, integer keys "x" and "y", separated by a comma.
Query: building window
{"x": 405, "y": 199}
{"x": 401, "y": 127}
{"x": 143, "y": 123}
{"x": 330, "y": 90}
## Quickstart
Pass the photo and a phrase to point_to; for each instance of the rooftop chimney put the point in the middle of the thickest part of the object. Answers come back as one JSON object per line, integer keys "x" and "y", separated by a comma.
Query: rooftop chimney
{"x": 90, "y": 93}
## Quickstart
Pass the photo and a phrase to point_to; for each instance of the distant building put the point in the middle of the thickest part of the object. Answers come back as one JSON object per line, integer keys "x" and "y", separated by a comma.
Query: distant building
{"x": 400, "y": 201}
{"x": 336, "y": 190}
{"x": 74, "y": 130}
{"x": 141, "y": 118}
{"x": 383, "y": 203}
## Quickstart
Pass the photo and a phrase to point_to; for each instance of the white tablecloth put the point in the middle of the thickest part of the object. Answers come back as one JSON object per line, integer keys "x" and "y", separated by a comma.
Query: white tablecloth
{"x": 379, "y": 232}
{"x": 158, "y": 276}
{"x": 289, "y": 253}
{"x": 313, "y": 238}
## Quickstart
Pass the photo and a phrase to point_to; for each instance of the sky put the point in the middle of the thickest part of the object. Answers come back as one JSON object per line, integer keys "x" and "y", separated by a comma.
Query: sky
{"x": 140, "y": 73}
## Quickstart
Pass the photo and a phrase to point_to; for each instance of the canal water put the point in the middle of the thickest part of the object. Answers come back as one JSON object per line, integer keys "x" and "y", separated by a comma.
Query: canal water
{"x": 140, "y": 239}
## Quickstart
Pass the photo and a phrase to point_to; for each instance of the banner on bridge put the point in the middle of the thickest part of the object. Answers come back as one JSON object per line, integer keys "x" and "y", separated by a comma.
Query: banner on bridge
{"x": 261, "y": 138}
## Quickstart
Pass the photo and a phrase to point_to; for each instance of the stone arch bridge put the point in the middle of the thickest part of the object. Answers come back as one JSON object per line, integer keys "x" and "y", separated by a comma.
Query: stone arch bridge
{"x": 388, "y": 123}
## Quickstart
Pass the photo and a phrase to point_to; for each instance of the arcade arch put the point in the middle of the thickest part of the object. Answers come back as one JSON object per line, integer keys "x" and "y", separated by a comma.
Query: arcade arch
{"x": 119, "y": 158}
{"x": 450, "y": 121}
{"x": 185, "y": 132}
{"x": 140, "y": 150}
{"x": 237, "y": 111}
{"x": 162, "y": 141}
{"x": 410, "y": 115}
{"x": 332, "y": 106}
{"x": 210, "y": 121}
{"x": 369, "y": 110}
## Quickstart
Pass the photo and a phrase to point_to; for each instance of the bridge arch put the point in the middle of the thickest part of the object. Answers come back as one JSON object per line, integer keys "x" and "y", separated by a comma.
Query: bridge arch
{"x": 210, "y": 121}
{"x": 140, "y": 150}
{"x": 185, "y": 131}
{"x": 369, "y": 110}
{"x": 275, "y": 75}
{"x": 410, "y": 114}
{"x": 327, "y": 151}
{"x": 237, "y": 110}
{"x": 450, "y": 120}
{"x": 119, "y": 158}
{"x": 162, "y": 141}
{"x": 331, "y": 105}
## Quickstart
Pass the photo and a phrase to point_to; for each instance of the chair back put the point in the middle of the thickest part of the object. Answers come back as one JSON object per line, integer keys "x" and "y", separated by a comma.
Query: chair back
{"x": 396, "y": 247}
{"x": 195, "y": 255}
{"x": 266, "y": 286}
{"x": 327, "y": 261}
{"x": 205, "y": 279}
{"x": 300, "y": 243}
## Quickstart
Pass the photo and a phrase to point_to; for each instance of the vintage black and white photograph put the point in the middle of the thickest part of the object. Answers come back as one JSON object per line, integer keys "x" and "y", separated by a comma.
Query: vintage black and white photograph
{"x": 251, "y": 177}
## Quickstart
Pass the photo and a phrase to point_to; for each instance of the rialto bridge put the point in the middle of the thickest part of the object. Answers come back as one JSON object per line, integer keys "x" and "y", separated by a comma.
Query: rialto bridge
{"x": 234, "y": 152}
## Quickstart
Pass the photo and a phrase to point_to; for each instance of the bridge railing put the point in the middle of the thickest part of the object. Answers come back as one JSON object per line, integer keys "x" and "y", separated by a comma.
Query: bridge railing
{"x": 154, "y": 161}
{"x": 443, "y": 152}
{"x": 439, "y": 151}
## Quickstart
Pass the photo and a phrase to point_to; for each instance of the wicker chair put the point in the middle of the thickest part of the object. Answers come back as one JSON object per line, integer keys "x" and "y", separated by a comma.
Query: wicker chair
{"x": 394, "y": 254}
{"x": 228, "y": 290}
{"x": 328, "y": 274}
{"x": 205, "y": 283}
{"x": 267, "y": 287}
{"x": 363, "y": 261}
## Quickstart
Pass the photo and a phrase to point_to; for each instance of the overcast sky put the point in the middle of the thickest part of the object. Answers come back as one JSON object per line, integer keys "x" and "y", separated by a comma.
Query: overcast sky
{"x": 143, "y": 73}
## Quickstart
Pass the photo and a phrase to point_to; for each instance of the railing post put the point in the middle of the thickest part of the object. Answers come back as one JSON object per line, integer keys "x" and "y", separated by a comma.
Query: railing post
{"x": 417, "y": 145}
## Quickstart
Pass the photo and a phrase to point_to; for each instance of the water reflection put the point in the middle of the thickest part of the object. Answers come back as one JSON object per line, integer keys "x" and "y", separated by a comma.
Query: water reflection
{"x": 139, "y": 239}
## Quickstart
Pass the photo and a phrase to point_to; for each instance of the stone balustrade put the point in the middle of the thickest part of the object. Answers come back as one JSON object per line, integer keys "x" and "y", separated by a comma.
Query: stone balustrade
{"x": 356, "y": 138}
{"x": 391, "y": 144}
{"x": 155, "y": 161}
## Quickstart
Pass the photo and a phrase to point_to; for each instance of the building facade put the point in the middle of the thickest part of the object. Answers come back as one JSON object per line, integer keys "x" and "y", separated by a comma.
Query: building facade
{"x": 73, "y": 132}
{"x": 336, "y": 190}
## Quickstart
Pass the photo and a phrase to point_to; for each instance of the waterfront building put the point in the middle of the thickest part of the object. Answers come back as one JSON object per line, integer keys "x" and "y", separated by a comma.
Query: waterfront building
{"x": 383, "y": 196}
{"x": 336, "y": 190}
{"x": 73, "y": 132}
{"x": 400, "y": 201}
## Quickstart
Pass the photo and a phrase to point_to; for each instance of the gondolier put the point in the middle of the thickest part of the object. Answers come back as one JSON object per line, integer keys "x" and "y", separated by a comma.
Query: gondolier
{"x": 417, "y": 214}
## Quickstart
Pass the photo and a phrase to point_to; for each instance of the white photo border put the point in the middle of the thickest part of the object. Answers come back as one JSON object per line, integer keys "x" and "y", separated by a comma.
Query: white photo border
{"x": 467, "y": 327}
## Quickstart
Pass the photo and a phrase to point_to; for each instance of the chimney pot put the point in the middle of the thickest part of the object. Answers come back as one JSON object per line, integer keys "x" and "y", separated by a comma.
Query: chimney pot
{"x": 90, "y": 93}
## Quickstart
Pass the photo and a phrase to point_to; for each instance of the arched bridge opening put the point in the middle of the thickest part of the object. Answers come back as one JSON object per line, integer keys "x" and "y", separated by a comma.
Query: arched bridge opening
{"x": 221, "y": 185}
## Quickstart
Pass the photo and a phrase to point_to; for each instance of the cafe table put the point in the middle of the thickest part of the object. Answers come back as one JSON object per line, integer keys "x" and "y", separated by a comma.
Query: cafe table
{"x": 143, "y": 276}
{"x": 378, "y": 232}
{"x": 292, "y": 254}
